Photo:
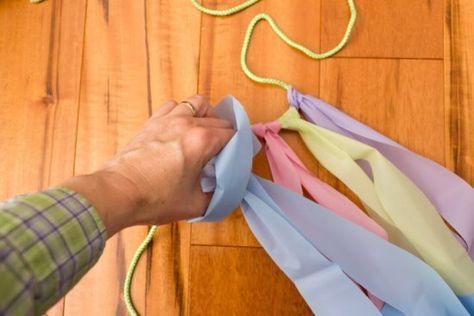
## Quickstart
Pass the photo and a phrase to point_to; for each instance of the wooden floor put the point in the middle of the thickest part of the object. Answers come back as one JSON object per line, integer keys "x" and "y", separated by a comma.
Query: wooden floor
{"x": 79, "y": 77}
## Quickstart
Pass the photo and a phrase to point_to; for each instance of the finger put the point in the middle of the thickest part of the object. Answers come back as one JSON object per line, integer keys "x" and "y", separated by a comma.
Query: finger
{"x": 210, "y": 112}
{"x": 164, "y": 109}
{"x": 220, "y": 137}
{"x": 199, "y": 103}
{"x": 212, "y": 122}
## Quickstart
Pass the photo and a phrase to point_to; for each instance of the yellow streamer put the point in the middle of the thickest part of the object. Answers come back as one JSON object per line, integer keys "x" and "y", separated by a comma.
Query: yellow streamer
{"x": 391, "y": 198}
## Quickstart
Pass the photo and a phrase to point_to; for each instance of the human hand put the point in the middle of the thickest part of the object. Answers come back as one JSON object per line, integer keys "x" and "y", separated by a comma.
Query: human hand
{"x": 155, "y": 179}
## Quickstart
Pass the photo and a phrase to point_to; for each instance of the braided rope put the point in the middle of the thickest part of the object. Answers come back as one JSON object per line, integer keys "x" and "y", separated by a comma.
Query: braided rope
{"x": 262, "y": 16}
{"x": 127, "y": 293}
{"x": 224, "y": 12}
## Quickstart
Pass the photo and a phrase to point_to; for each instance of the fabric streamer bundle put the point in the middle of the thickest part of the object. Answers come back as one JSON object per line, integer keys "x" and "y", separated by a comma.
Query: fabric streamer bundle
{"x": 402, "y": 260}
{"x": 299, "y": 235}
{"x": 393, "y": 199}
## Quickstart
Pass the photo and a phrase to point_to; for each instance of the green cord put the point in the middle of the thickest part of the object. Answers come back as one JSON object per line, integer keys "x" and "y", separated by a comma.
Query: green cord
{"x": 127, "y": 295}
{"x": 290, "y": 42}
{"x": 224, "y": 12}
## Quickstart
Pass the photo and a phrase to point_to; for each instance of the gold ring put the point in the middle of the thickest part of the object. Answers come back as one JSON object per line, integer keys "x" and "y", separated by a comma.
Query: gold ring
{"x": 190, "y": 106}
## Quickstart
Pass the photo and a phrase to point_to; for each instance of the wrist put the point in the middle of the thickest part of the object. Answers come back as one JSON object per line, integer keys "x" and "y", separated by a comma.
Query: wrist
{"x": 112, "y": 195}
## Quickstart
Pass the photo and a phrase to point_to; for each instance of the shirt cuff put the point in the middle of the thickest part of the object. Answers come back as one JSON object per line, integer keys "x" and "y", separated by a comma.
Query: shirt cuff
{"x": 57, "y": 236}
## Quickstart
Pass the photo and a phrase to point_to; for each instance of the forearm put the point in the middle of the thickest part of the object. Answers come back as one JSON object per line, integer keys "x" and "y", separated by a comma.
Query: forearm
{"x": 115, "y": 198}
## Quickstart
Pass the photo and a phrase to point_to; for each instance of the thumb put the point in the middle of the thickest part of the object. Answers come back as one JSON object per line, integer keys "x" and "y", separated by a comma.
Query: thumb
{"x": 201, "y": 202}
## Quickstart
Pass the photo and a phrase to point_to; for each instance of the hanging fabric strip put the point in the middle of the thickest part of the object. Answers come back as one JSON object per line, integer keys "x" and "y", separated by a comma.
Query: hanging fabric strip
{"x": 391, "y": 197}
{"x": 451, "y": 195}
{"x": 302, "y": 236}
{"x": 289, "y": 171}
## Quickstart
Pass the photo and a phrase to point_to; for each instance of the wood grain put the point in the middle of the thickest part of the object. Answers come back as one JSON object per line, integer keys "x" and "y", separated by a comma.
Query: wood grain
{"x": 459, "y": 87}
{"x": 65, "y": 75}
{"x": 26, "y": 96}
{"x": 39, "y": 94}
{"x": 386, "y": 29}
{"x": 240, "y": 281}
{"x": 173, "y": 29}
{"x": 114, "y": 103}
{"x": 395, "y": 97}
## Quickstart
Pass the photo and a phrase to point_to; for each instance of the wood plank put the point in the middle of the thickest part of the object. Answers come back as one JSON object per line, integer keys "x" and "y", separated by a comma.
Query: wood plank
{"x": 66, "y": 75}
{"x": 240, "y": 281}
{"x": 220, "y": 75}
{"x": 114, "y": 103}
{"x": 167, "y": 288}
{"x": 26, "y": 57}
{"x": 66, "y": 80}
{"x": 459, "y": 87}
{"x": 173, "y": 40}
{"x": 402, "y": 99}
{"x": 396, "y": 28}
{"x": 41, "y": 60}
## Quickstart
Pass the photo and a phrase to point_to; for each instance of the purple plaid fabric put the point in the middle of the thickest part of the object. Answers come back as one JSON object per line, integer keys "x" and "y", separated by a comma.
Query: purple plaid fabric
{"x": 48, "y": 241}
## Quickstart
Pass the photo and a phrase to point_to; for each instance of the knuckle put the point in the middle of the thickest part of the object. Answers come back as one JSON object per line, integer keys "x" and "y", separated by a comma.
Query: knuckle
{"x": 202, "y": 135}
{"x": 197, "y": 139}
{"x": 152, "y": 121}
{"x": 181, "y": 122}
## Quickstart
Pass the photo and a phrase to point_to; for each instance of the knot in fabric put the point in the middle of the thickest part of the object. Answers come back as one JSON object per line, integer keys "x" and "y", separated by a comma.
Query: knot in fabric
{"x": 261, "y": 129}
{"x": 295, "y": 98}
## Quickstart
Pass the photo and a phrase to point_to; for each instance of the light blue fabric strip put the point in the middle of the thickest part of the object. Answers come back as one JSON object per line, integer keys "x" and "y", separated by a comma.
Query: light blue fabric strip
{"x": 301, "y": 236}
{"x": 468, "y": 302}
{"x": 323, "y": 285}
{"x": 389, "y": 272}
{"x": 232, "y": 166}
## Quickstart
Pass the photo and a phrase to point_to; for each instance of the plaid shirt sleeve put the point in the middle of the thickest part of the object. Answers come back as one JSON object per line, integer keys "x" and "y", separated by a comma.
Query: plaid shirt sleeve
{"x": 48, "y": 241}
